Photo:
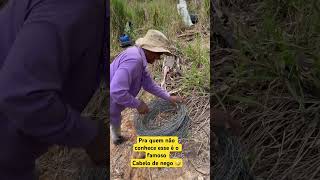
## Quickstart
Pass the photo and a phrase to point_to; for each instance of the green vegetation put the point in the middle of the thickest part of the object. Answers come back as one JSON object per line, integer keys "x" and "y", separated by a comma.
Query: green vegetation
{"x": 199, "y": 63}
{"x": 271, "y": 83}
{"x": 163, "y": 16}
{"x": 286, "y": 31}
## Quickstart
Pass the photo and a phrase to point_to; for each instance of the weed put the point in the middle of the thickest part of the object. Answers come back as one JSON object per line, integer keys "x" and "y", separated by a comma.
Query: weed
{"x": 199, "y": 66}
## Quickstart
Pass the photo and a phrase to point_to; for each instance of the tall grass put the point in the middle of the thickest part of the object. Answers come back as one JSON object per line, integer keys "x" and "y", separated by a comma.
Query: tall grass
{"x": 163, "y": 16}
{"x": 119, "y": 17}
{"x": 286, "y": 40}
{"x": 274, "y": 83}
{"x": 197, "y": 76}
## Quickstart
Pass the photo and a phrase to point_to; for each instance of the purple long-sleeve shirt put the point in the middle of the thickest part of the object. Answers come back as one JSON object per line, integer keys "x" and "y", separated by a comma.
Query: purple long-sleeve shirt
{"x": 128, "y": 73}
{"x": 50, "y": 59}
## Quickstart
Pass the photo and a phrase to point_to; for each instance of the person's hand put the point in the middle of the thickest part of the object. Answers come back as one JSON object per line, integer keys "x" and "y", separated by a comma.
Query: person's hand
{"x": 97, "y": 149}
{"x": 143, "y": 108}
{"x": 176, "y": 99}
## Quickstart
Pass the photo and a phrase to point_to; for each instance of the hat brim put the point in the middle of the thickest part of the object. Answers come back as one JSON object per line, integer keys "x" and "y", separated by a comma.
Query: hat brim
{"x": 158, "y": 50}
{"x": 140, "y": 42}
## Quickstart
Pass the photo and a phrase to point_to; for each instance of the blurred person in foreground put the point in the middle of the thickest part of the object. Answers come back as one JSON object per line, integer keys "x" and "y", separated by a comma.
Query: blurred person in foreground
{"x": 51, "y": 59}
{"x": 128, "y": 74}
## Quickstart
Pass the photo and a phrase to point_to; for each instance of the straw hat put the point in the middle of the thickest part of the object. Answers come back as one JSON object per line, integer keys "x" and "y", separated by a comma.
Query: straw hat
{"x": 154, "y": 41}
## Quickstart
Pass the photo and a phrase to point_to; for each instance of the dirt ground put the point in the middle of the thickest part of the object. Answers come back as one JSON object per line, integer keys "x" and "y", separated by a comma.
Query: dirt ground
{"x": 195, "y": 152}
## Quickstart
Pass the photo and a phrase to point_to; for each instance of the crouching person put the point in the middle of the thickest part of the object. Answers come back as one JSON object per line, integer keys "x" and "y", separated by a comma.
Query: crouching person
{"x": 128, "y": 74}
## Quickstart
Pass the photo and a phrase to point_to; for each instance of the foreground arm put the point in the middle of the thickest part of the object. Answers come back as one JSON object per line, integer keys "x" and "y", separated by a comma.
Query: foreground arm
{"x": 30, "y": 88}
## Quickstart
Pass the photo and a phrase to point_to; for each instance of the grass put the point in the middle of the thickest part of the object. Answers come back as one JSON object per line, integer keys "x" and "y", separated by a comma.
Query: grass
{"x": 282, "y": 45}
{"x": 273, "y": 85}
{"x": 163, "y": 16}
{"x": 285, "y": 31}
{"x": 199, "y": 68}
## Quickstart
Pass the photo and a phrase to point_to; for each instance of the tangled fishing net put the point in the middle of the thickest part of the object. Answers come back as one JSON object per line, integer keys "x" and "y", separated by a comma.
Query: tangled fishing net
{"x": 93, "y": 174}
{"x": 230, "y": 163}
{"x": 175, "y": 123}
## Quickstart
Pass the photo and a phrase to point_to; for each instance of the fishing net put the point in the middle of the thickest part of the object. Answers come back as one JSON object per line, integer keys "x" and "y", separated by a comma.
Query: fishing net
{"x": 174, "y": 123}
{"x": 93, "y": 174}
{"x": 230, "y": 162}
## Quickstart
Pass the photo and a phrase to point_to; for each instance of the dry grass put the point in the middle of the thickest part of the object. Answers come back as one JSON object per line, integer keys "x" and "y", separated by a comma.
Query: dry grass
{"x": 269, "y": 86}
{"x": 61, "y": 163}
{"x": 281, "y": 137}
